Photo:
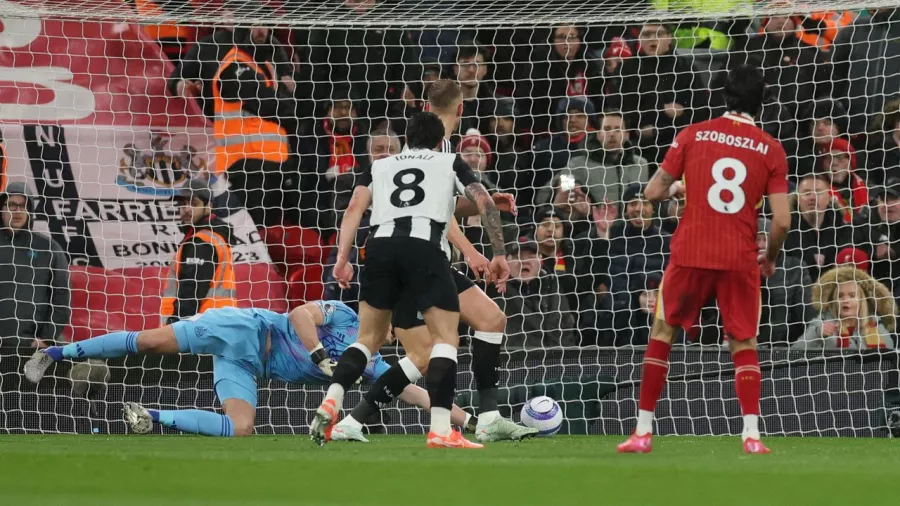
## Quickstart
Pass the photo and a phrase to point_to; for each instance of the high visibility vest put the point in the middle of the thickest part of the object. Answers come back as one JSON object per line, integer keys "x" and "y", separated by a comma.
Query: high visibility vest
{"x": 241, "y": 134}
{"x": 166, "y": 31}
{"x": 222, "y": 287}
{"x": 829, "y": 22}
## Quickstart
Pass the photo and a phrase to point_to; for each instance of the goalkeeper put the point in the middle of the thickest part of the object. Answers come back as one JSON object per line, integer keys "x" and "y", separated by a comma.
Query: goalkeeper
{"x": 246, "y": 344}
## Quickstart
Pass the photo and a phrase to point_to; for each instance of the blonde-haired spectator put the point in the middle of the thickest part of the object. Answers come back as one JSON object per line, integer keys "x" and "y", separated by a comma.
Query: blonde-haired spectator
{"x": 856, "y": 312}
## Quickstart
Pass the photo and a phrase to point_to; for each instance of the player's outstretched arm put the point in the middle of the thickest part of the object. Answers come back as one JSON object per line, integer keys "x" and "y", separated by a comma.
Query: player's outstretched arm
{"x": 359, "y": 202}
{"x": 505, "y": 202}
{"x": 663, "y": 186}
{"x": 306, "y": 320}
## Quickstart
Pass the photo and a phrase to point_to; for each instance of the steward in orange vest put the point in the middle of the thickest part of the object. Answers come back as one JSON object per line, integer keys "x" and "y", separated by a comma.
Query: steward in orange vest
{"x": 251, "y": 123}
{"x": 201, "y": 276}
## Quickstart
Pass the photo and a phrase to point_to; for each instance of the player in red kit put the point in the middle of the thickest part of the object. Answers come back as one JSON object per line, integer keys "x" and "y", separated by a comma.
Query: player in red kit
{"x": 727, "y": 165}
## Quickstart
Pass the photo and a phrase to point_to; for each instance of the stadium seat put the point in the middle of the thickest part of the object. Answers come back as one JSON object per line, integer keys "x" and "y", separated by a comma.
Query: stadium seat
{"x": 305, "y": 284}
{"x": 128, "y": 299}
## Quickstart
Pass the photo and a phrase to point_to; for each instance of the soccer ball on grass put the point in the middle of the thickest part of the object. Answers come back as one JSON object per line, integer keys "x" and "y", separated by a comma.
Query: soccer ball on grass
{"x": 544, "y": 414}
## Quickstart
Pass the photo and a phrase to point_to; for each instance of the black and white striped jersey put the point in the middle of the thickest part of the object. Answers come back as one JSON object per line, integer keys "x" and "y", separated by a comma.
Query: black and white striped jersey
{"x": 446, "y": 146}
{"x": 414, "y": 194}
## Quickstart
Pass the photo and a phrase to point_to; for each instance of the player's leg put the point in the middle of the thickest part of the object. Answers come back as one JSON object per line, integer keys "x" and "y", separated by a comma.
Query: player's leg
{"x": 235, "y": 387}
{"x": 488, "y": 322}
{"x": 374, "y": 325}
{"x": 739, "y": 301}
{"x": 682, "y": 293}
{"x": 112, "y": 345}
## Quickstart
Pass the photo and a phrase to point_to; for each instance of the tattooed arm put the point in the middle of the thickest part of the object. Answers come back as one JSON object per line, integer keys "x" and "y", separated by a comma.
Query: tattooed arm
{"x": 663, "y": 186}
{"x": 490, "y": 216}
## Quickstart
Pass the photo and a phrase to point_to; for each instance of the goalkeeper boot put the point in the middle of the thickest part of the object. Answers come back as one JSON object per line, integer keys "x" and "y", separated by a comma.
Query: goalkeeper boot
{"x": 502, "y": 429}
{"x": 325, "y": 417}
{"x": 755, "y": 446}
{"x": 637, "y": 444}
{"x": 37, "y": 366}
{"x": 346, "y": 432}
{"x": 453, "y": 440}
{"x": 137, "y": 417}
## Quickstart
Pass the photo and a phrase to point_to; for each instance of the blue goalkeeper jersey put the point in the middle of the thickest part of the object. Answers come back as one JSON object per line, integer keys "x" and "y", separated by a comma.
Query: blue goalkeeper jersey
{"x": 289, "y": 361}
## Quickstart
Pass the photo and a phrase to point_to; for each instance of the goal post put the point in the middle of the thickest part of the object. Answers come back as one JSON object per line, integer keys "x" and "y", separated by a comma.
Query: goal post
{"x": 107, "y": 109}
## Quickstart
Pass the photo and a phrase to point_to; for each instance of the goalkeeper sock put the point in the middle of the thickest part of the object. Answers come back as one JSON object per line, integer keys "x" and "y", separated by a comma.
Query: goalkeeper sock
{"x": 350, "y": 367}
{"x": 441, "y": 382}
{"x": 485, "y": 365}
{"x": 653, "y": 380}
{"x": 387, "y": 388}
{"x": 194, "y": 421}
{"x": 747, "y": 385}
{"x": 112, "y": 345}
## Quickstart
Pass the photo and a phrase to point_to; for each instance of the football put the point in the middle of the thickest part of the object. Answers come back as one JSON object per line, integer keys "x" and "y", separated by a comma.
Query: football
{"x": 544, "y": 414}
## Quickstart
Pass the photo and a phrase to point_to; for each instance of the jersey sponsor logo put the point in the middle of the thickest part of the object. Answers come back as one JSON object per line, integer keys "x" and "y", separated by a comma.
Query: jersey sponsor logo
{"x": 327, "y": 310}
{"x": 195, "y": 261}
{"x": 736, "y": 141}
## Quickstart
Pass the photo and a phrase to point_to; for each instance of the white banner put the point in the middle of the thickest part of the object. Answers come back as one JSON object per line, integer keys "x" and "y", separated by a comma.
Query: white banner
{"x": 104, "y": 192}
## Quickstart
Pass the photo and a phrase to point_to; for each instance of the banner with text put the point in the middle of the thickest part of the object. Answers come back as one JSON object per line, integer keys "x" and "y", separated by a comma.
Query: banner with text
{"x": 105, "y": 193}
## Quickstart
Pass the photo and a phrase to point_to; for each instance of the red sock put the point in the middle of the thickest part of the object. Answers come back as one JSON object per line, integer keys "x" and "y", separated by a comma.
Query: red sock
{"x": 653, "y": 374}
{"x": 747, "y": 381}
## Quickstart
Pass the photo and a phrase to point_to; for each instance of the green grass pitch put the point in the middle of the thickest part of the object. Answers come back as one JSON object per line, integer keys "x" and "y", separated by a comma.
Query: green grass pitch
{"x": 399, "y": 470}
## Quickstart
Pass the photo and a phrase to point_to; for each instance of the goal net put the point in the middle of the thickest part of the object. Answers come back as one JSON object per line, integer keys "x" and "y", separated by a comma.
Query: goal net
{"x": 108, "y": 108}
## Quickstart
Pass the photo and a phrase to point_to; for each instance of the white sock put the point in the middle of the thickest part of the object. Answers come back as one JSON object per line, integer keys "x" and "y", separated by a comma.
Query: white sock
{"x": 645, "y": 422}
{"x": 336, "y": 392}
{"x": 751, "y": 427}
{"x": 466, "y": 421}
{"x": 440, "y": 421}
{"x": 488, "y": 417}
{"x": 352, "y": 422}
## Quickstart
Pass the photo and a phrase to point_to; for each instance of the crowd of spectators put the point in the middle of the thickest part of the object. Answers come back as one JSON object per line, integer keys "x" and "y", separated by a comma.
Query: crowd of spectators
{"x": 573, "y": 121}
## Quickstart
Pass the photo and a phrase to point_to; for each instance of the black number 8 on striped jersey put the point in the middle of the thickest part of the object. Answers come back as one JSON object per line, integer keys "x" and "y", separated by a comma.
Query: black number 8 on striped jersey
{"x": 418, "y": 193}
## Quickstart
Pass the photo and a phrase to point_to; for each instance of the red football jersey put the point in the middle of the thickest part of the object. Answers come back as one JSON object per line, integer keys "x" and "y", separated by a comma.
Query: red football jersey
{"x": 728, "y": 164}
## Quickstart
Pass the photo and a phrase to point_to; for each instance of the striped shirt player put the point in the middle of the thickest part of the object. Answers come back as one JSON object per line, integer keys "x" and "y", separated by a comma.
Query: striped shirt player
{"x": 413, "y": 197}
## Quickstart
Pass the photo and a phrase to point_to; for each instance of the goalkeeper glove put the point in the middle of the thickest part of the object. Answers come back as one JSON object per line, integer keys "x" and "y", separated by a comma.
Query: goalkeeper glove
{"x": 320, "y": 358}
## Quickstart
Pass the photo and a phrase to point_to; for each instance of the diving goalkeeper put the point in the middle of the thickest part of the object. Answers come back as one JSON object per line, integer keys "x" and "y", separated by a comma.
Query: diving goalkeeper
{"x": 246, "y": 344}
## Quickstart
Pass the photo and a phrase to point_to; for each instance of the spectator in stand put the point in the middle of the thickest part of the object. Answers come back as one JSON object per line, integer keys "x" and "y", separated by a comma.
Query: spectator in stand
{"x": 827, "y": 120}
{"x": 575, "y": 117}
{"x": 512, "y": 154}
{"x": 382, "y": 143}
{"x": 610, "y": 162}
{"x": 471, "y": 69}
{"x": 880, "y": 237}
{"x": 193, "y": 75}
{"x": 555, "y": 248}
{"x": 856, "y": 313}
{"x": 883, "y": 159}
{"x": 252, "y": 122}
{"x": 562, "y": 68}
{"x": 592, "y": 272}
{"x": 633, "y": 324}
{"x": 820, "y": 29}
{"x": 817, "y": 230}
{"x": 613, "y": 58}
{"x": 474, "y": 149}
{"x": 34, "y": 279}
{"x": 636, "y": 245}
{"x": 537, "y": 315}
{"x": 370, "y": 62}
{"x": 866, "y": 66}
{"x": 332, "y": 158}
{"x": 795, "y": 72}
{"x": 658, "y": 91}
{"x": 851, "y": 197}
{"x": 786, "y": 295}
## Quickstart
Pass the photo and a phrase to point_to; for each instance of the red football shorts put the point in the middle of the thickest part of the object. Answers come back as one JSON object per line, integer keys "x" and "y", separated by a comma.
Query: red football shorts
{"x": 685, "y": 290}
